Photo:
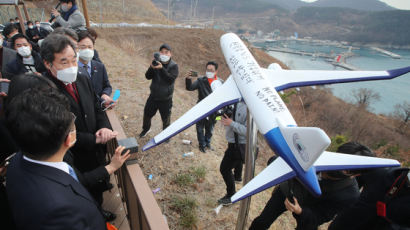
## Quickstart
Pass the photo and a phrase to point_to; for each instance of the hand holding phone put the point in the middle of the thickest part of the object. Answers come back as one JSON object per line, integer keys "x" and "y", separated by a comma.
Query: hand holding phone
{"x": 194, "y": 73}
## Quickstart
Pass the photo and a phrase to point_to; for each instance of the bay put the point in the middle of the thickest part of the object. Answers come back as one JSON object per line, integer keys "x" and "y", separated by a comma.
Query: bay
{"x": 391, "y": 92}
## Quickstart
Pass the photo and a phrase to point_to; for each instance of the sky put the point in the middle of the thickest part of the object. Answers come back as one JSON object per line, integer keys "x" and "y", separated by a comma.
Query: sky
{"x": 399, "y": 4}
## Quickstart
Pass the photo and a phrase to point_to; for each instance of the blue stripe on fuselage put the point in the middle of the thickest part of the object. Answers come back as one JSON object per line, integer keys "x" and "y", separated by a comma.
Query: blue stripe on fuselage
{"x": 278, "y": 143}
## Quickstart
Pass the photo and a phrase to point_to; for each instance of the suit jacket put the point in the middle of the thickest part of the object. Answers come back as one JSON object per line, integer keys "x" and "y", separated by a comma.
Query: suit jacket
{"x": 99, "y": 78}
{"x": 9, "y": 55}
{"x": 43, "y": 32}
{"x": 43, "y": 197}
{"x": 90, "y": 118}
{"x": 33, "y": 32}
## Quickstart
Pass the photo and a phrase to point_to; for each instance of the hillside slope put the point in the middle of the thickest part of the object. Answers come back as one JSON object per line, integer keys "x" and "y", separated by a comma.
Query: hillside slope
{"x": 132, "y": 11}
{"x": 127, "y": 54}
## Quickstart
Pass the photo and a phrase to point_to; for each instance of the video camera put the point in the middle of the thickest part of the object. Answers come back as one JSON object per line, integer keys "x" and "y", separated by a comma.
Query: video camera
{"x": 228, "y": 110}
{"x": 156, "y": 60}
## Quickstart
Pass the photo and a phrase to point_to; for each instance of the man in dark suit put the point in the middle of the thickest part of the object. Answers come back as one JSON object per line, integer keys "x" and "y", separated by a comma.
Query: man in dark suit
{"x": 93, "y": 128}
{"x": 93, "y": 69}
{"x": 42, "y": 32}
{"x": 43, "y": 191}
{"x": 32, "y": 32}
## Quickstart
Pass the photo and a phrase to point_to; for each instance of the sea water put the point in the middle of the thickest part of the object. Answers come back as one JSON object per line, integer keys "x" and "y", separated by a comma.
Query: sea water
{"x": 391, "y": 92}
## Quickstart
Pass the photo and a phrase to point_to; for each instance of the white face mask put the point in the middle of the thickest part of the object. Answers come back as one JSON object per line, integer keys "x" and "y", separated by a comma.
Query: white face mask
{"x": 68, "y": 75}
{"x": 86, "y": 54}
{"x": 210, "y": 74}
{"x": 30, "y": 27}
{"x": 38, "y": 25}
{"x": 164, "y": 58}
{"x": 64, "y": 8}
{"x": 24, "y": 51}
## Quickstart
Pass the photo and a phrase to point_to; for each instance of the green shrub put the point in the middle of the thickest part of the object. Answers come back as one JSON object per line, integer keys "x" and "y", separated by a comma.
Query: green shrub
{"x": 184, "y": 179}
{"x": 337, "y": 141}
{"x": 186, "y": 207}
{"x": 198, "y": 172}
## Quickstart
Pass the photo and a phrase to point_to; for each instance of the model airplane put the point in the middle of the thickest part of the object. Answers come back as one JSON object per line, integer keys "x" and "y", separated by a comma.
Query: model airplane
{"x": 301, "y": 150}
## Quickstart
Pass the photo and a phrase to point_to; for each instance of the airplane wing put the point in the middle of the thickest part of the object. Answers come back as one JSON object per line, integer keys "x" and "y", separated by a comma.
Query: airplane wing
{"x": 338, "y": 161}
{"x": 224, "y": 95}
{"x": 285, "y": 79}
{"x": 277, "y": 172}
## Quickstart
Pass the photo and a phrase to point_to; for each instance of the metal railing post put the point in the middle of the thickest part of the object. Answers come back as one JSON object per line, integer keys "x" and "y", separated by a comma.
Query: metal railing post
{"x": 250, "y": 155}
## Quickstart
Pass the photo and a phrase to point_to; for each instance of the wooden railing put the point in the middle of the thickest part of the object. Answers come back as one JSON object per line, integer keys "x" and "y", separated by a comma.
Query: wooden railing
{"x": 141, "y": 208}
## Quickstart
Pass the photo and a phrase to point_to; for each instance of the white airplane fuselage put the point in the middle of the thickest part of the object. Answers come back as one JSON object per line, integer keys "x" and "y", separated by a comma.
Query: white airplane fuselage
{"x": 265, "y": 105}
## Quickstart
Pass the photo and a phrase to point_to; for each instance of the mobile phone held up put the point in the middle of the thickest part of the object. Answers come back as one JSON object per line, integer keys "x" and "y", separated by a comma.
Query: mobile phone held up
{"x": 4, "y": 87}
{"x": 194, "y": 73}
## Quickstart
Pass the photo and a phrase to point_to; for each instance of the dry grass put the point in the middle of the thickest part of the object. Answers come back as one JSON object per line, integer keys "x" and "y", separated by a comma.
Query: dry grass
{"x": 107, "y": 11}
{"x": 127, "y": 54}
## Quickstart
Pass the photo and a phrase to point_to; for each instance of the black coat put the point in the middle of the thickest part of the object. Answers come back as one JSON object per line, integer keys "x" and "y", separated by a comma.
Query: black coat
{"x": 43, "y": 197}
{"x": 31, "y": 33}
{"x": 202, "y": 85}
{"x": 162, "y": 85}
{"x": 363, "y": 215}
{"x": 90, "y": 118}
{"x": 17, "y": 67}
{"x": 8, "y": 55}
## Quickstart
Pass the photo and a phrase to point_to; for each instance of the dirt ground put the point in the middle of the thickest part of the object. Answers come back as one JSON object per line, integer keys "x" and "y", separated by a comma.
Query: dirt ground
{"x": 127, "y": 55}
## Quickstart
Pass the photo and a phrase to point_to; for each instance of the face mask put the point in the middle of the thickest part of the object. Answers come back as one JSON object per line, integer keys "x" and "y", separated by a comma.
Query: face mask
{"x": 24, "y": 51}
{"x": 164, "y": 58}
{"x": 38, "y": 25}
{"x": 68, "y": 75}
{"x": 86, "y": 54}
{"x": 1, "y": 42}
{"x": 30, "y": 27}
{"x": 210, "y": 74}
{"x": 64, "y": 8}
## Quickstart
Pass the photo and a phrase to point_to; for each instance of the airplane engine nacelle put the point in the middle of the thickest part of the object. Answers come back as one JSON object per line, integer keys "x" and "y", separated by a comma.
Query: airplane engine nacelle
{"x": 275, "y": 66}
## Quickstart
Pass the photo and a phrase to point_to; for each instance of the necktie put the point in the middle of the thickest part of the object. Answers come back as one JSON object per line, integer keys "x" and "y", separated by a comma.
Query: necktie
{"x": 86, "y": 71}
{"x": 70, "y": 89}
{"x": 72, "y": 172}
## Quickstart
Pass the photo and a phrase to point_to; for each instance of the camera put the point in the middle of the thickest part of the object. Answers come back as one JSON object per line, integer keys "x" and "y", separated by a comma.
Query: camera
{"x": 227, "y": 110}
{"x": 156, "y": 60}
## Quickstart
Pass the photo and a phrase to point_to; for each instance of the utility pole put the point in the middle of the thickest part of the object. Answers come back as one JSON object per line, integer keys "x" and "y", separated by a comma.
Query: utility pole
{"x": 250, "y": 154}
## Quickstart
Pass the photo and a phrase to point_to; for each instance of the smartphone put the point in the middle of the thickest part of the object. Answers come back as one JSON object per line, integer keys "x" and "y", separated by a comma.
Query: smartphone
{"x": 117, "y": 94}
{"x": 4, "y": 87}
{"x": 194, "y": 74}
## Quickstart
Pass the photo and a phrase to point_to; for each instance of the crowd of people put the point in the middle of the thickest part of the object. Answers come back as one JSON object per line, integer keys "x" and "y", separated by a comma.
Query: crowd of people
{"x": 54, "y": 168}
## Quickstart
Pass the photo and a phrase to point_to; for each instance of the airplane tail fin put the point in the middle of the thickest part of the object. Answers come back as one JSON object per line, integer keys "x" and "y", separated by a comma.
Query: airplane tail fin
{"x": 306, "y": 143}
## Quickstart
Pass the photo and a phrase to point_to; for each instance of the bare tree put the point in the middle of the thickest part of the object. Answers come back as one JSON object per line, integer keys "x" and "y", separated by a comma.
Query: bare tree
{"x": 364, "y": 97}
{"x": 402, "y": 111}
